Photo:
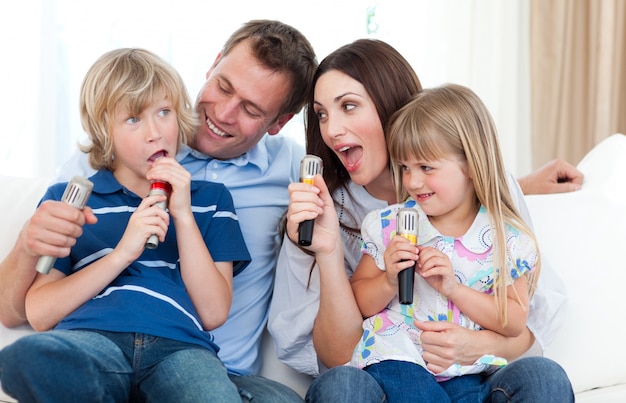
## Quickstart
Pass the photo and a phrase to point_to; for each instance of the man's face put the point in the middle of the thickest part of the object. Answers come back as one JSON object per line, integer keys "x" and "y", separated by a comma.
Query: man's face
{"x": 238, "y": 104}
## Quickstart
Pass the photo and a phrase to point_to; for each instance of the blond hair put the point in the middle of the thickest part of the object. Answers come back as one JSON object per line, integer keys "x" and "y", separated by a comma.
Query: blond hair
{"x": 452, "y": 119}
{"x": 132, "y": 78}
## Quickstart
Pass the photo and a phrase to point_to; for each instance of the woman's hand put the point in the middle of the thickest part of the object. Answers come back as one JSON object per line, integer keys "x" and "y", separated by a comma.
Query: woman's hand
{"x": 446, "y": 343}
{"x": 313, "y": 202}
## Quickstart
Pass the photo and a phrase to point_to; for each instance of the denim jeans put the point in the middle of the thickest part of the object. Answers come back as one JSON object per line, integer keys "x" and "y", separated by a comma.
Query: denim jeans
{"x": 407, "y": 382}
{"x": 89, "y": 366}
{"x": 257, "y": 389}
{"x": 532, "y": 379}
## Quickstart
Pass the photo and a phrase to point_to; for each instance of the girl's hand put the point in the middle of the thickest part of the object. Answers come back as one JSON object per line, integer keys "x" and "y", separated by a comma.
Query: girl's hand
{"x": 167, "y": 169}
{"x": 436, "y": 268}
{"x": 399, "y": 255}
{"x": 313, "y": 202}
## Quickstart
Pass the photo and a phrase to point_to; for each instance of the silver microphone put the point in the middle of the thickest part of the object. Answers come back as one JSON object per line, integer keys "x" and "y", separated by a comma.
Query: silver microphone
{"x": 406, "y": 226}
{"x": 310, "y": 166}
{"x": 164, "y": 188}
{"x": 76, "y": 194}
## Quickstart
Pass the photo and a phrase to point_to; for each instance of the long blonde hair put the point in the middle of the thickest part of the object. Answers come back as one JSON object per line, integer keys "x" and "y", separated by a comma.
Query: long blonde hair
{"x": 452, "y": 119}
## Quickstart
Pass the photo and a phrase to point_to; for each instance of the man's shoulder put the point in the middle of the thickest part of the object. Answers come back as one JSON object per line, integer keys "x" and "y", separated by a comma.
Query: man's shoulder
{"x": 282, "y": 146}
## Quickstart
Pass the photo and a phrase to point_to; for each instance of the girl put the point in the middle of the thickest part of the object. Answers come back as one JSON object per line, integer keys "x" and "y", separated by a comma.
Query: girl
{"x": 477, "y": 262}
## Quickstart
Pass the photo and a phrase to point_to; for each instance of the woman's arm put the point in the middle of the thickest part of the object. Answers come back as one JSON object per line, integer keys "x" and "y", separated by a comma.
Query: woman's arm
{"x": 446, "y": 343}
{"x": 337, "y": 324}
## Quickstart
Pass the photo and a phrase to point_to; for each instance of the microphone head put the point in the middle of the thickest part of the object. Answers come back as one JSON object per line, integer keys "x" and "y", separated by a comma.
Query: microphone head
{"x": 77, "y": 192}
{"x": 310, "y": 166}
{"x": 406, "y": 224}
{"x": 162, "y": 186}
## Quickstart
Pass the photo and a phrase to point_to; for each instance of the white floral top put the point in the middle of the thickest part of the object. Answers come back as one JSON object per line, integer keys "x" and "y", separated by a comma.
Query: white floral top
{"x": 390, "y": 334}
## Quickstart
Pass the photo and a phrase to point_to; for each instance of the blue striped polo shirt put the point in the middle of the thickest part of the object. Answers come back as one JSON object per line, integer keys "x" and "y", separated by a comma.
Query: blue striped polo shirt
{"x": 149, "y": 296}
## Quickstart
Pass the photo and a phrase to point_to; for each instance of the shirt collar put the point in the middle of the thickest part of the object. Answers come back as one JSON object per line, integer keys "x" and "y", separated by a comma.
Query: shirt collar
{"x": 477, "y": 239}
{"x": 256, "y": 156}
{"x": 105, "y": 183}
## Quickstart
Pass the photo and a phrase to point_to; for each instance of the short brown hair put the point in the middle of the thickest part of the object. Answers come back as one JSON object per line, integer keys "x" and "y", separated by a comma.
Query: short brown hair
{"x": 281, "y": 48}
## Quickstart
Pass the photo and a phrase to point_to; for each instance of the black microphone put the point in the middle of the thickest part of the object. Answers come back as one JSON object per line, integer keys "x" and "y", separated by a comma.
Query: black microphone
{"x": 406, "y": 226}
{"x": 310, "y": 166}
{"x": 163, "y": 188}
{"x": 76, "y": 194}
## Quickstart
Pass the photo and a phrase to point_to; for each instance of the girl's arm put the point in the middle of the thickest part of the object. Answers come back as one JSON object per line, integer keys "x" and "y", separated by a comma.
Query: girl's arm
{"x": 374, "y": 288}
{"x": 436, "y": 268}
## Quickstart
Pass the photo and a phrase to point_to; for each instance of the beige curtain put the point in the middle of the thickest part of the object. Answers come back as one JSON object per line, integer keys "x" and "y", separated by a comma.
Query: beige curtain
{"x": 578, "y": 76}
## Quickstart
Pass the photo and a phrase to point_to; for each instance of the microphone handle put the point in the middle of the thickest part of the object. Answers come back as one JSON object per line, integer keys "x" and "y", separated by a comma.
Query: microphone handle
{"x": 305, "y": 232}
{"x": 406, "y": 279}
{"x": 76, "y": 194}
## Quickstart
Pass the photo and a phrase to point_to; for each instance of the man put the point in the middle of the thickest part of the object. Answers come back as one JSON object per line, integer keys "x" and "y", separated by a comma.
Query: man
{"x": 257, "y": 83}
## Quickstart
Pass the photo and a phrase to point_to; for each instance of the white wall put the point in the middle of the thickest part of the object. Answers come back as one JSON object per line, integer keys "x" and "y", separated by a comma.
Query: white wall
{"x": 48, "y": 46}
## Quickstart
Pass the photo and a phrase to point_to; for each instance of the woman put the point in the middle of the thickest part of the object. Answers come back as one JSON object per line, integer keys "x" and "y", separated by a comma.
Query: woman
{"x": 314, "y": 318}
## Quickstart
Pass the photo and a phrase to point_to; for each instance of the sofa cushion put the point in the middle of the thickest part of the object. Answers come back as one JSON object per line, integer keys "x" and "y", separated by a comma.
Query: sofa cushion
{"x": 582, "y": 235}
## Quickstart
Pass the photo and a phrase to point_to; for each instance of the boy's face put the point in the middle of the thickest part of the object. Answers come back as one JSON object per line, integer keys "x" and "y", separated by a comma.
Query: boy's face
{"x": 238, "y": 104}
{"x": 139, "y": 139}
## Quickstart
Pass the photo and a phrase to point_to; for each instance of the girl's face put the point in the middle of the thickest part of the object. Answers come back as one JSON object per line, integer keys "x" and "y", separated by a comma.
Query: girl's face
{"x": 350, "y": 126}
{"x": 138, "y": 140}
{"x": 444, "y": 190}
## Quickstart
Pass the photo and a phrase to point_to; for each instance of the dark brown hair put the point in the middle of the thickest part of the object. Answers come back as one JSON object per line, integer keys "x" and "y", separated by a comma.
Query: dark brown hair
{"x": 281, "y": 48}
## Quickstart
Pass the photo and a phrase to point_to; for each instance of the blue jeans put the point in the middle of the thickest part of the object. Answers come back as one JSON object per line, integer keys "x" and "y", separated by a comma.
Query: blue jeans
{"x": 532, "y": 379}
{"x": 89, "y": 366}
{"x": 258, "y": 389}
{"x": 407, "y": 382}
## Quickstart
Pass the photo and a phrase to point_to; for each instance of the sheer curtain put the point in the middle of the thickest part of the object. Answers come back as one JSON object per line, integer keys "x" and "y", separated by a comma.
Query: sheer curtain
{"x": 50, "y": 44}
{"x": 578, "y": 76}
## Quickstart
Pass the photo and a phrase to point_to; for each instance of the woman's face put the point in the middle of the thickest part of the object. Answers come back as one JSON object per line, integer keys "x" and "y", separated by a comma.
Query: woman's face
{"x": 350, "y": 126}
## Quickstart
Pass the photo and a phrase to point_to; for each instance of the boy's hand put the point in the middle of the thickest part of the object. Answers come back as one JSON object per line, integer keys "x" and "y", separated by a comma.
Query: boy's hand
{"x": 148, "y": 219}
{"x": 169, "y": 170}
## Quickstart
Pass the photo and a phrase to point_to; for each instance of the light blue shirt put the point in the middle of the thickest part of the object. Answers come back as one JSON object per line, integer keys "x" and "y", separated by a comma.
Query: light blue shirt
{"x": 258, "y": 183}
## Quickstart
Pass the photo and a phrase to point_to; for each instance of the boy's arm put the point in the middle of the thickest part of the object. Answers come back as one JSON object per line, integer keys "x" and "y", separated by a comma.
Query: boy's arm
{"x": 208, "y": 283}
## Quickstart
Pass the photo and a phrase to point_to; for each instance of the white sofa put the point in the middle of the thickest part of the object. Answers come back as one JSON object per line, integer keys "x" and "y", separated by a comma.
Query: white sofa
{"x": 580, "y": 233}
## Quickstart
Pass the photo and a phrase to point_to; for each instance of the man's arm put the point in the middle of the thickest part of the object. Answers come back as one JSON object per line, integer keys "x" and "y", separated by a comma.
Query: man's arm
{"x": 557, "y": 176}
{"x": 51, "y": 231}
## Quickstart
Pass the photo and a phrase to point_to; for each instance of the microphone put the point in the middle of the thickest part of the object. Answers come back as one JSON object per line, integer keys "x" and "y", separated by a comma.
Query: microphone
{"x": 158, "y": 188}
{"x": 76, "y": 194}
{"x": 310, "y": 166}
{"x": 406, "y": 226}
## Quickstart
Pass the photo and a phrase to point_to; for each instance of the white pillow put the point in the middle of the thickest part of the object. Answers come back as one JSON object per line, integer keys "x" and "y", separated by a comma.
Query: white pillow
{"x": 583, "y": 235}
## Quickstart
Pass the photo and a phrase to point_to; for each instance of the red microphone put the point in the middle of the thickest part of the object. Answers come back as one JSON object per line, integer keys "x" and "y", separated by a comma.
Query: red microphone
{"x": 406, "y": 226}
{"x": 310, "y": 166}
{"x": 158, "y": 188}
{"x": 76, "y": 194}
